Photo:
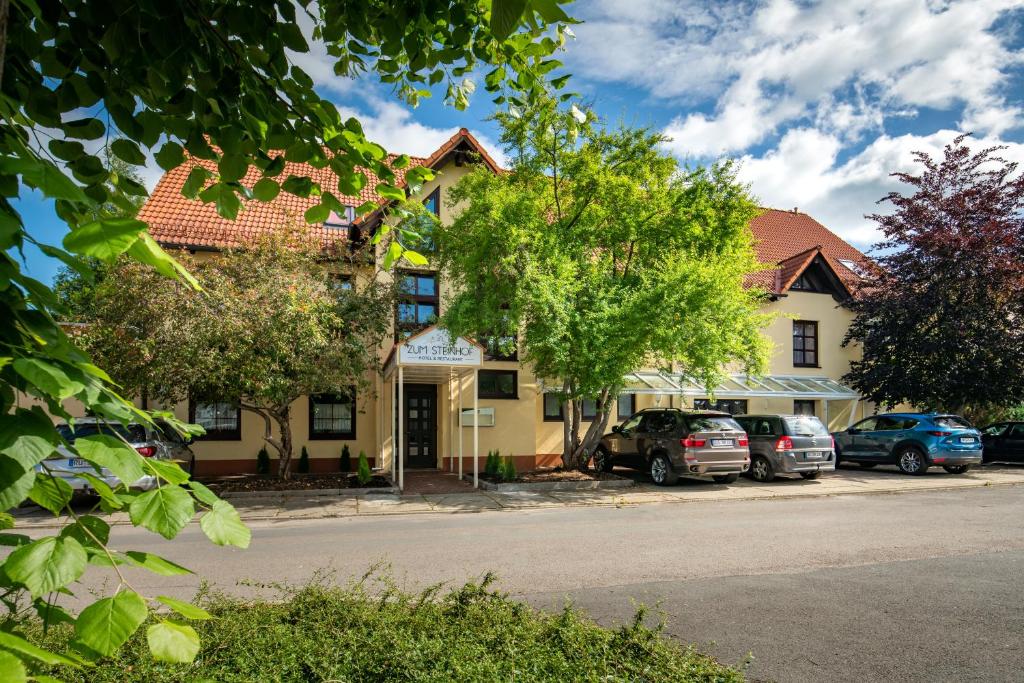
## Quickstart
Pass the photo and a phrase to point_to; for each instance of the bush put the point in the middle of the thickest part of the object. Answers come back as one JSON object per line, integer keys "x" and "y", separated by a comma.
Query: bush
{"x": 303, "y": 466}
{"x": 263, "y": 462}
{"x": 492, "y": 465}
{"x": 363, "y": 473}
{"x": 378, "y": 633}
{"x": 346, "y": 459}
{"x": 507, "y": 469}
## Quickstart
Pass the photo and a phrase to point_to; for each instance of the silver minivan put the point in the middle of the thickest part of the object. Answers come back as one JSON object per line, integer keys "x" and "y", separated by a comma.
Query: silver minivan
{"x": 788, "y": 444}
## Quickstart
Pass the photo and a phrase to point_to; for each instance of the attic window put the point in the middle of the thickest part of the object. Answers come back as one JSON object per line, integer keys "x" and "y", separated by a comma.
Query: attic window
{"x": 336, "y": 222}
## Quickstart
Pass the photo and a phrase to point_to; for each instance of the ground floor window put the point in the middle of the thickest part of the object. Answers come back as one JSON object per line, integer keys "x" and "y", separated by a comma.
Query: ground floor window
{"x": 222, "y": 420}
{"x": 333, "y": 416}
{"x": 626, "y": 405}
{"x": 552, "y": 408}
{"x": 733, "y": 406}
{"x": 803, "y": 407}
{"x": 498, "y": 384}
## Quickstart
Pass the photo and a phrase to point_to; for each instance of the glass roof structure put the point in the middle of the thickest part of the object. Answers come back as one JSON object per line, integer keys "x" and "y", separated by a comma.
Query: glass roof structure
{"x": 738, "y": 386}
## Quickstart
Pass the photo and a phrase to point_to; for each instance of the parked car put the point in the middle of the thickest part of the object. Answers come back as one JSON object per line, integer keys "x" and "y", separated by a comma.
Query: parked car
{"x": 1004, "y": 442}
{"x": 912, "y": 441}
{"x": 151, "y": 442}
{"x": 788, "y": 444}
{"x": 668, "y": 442}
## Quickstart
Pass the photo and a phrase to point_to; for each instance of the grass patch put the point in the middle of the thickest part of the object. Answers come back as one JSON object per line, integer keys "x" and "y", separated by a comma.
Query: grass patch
{"x": 325, "y": 633}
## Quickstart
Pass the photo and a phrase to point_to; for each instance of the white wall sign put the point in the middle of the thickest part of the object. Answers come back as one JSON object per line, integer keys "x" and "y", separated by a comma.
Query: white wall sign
{"x": 436, "y": 347}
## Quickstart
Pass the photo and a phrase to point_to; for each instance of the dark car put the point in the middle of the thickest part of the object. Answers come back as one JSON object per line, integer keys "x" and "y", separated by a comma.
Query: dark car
{"x": 787, "y": 444}
{"x": 1004, "y": 442}
{"x": 912, "y": 441}
{"x": 668, "y": 442}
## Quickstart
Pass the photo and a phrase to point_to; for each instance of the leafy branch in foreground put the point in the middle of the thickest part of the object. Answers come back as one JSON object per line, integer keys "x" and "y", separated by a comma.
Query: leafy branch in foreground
{"x": 204, "y": 80}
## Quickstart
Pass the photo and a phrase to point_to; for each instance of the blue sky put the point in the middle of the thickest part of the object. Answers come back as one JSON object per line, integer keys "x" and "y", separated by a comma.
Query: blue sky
{"x": 818, "y": 101}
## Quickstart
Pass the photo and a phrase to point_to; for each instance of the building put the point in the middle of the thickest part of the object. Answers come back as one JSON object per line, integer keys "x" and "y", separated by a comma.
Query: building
{"x": 814, "y": 272}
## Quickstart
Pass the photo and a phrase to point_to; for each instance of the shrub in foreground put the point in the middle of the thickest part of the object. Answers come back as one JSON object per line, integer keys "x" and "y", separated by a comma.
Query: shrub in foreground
{"x": 321, "y": 633}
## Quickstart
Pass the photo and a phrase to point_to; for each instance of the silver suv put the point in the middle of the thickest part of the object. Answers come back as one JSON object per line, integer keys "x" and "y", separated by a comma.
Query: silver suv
{"x": 151, "y": 442}
{"x": 788, "y": 444}
{"x": 668, "y": 443}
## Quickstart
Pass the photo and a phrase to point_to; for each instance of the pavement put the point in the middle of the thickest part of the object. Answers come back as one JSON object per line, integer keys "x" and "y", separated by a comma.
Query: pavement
{"x": 459, "y": 497}
{"x": 919, "y": 585}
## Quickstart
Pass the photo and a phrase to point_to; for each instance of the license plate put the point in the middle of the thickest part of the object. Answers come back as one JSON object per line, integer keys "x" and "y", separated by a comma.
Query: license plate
{"x": 814, "y": 454}
{"x": 966, "y": 439}
{"x": 721, "y": 442}
{"x": 77, "y": 462}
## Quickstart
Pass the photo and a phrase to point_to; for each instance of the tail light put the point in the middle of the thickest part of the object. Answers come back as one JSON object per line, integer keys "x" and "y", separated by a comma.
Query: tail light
{"x": 693, "y": 442}
{"x": 146, "y": 451}
{"x": 784, "y": 444}
{"x": 744, "y": 441}
{"x": 936, "y": 432}
{"x": 833, "y": 442}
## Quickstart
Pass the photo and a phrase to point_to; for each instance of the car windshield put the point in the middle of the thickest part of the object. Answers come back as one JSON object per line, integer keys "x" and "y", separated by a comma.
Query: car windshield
{"x": 952, "y": 421}
{"x": 713, "y": 423}
{"x": 132, "y": 433}
{"x": 804, "y": 425}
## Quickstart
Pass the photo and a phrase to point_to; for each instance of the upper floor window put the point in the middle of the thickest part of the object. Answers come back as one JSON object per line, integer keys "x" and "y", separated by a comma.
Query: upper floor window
{"x": 498, "y": 384}
{"x": 433, "y": 202}
{"x": 341, "y": 221}
{"x": 333, "y": 416}
{"x": 805, "y": 344}
{"x": 222, "y": 420}
{"x": 417, "y": 303}
{"x": 500, "y": 348}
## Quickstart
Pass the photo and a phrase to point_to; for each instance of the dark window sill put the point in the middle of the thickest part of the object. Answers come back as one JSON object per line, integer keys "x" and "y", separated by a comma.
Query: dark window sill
{"x": 498, "y": 397}
{"x": 548, "y": 418}
{"x": 806, "y": 365}
{"x": 333, "y": 436}
{"x": 219, "y": 436}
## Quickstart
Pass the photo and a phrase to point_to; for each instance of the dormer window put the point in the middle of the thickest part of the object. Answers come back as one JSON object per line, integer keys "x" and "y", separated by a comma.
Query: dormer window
{"x": 341, "y": 222}
{"x": 433, "y": 202}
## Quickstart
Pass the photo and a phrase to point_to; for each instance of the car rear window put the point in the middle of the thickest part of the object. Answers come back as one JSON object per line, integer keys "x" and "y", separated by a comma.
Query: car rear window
{"x": 713, "y": 423}
{"x": 952, "y": 421}
{"x": 132, "y": 433}
{"x": 804, "y": 425}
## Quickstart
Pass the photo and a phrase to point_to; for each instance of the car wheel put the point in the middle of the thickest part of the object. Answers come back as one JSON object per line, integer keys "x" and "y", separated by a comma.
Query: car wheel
{"x": 661, "y": 471}
{"x": 761, "y": 469}
{"x": 868, "y": 465}
{"x": 956, "y": 469}
{"x": 911, "y": 461}
{"x": 602, "y": 460}
{"x": 838, "y": 456}
{"x": 810, "y": 475}
{"x": 726, "y": 478}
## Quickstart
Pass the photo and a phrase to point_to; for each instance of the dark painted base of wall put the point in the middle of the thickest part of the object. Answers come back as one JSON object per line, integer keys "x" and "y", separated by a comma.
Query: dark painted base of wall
{"x": 220, "y": 468}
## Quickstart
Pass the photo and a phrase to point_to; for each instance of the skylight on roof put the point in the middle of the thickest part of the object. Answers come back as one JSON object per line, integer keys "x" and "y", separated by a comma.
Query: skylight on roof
{"x": 852, "y": 266}
{"x": 343, "y": 221}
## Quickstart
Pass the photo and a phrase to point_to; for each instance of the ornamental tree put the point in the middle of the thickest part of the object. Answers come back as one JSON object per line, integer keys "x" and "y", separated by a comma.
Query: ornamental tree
{"x": 939, "y": 319}
{"x": 603, "y": 257}
{"x": 270, "y": 326}
{"x": 206, "y": 79}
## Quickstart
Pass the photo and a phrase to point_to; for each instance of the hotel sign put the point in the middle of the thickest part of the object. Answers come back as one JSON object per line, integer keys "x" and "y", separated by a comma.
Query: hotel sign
{"x": 436, "y": 347}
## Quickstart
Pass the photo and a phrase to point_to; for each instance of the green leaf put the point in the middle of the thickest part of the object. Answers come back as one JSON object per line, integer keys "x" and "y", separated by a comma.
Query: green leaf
{"x": 170, "y": 156}
{"x": 107, "y": 624}
{"x": 165, "y": 510}
{"x": 155, "y": 563}
{"x": 27, "y": 436}
{"x": 107, "y": 451}
{"x": 50, "y": 492}
{"x": 104, "y": 491}
{"x": 390, "y": 192}
{"x": 7, "y": 519}
{"x": 47, "y": 564}
{"x": 232, "y": 167}
{"x": 12, "y": 670}
{"x": 317, "y": 214}
{"x": 185, "y": 609}
{"x": 89, "y": 530}
{"x": 223, "y": 526}
{"x": 505, "y": 16}
{"x": 84, "y": 129}
{"x": 169, "y": 471}
{"x": 202, "y": 493}
{"x": 171, "y": 641}
{"x": 49, "y": 378}
{"x": 195, "y": 181}
{"x": 550, "y": 11}
{"x": 146, "y": 250}
{"x": 414, "y": 257}
{"x": 15, "y": 482}
{"x": 393, "y": 254}
{"x": 10, "y": 641}
{"x": 266, "y": 189}
{"x": 106, "y": 239}
{"x": 127, "y": 150}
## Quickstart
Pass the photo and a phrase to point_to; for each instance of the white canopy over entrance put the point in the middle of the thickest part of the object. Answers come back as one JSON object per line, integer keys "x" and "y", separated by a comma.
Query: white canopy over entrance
{"x": 432, "y": 356}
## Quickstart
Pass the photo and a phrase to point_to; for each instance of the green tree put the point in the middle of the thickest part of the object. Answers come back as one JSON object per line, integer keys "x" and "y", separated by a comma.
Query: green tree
{"x": 604, "y": 258}
{"x": 268, "y": 328}
{"x": 210, "y": 79}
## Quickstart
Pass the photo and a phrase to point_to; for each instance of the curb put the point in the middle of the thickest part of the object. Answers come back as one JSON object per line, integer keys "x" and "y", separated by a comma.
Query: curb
{"x": 526, "y": 486}
{"x": 309, "y": 493}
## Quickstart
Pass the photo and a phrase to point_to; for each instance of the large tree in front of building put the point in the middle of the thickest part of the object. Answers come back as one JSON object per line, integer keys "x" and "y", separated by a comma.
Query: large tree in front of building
{"x": 271, "y": 325}
{"x": 940, "y": 319}
{"x": 603, "y": 257}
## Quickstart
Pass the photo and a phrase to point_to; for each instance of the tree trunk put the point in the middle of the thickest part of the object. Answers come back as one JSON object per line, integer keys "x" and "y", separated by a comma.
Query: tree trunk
{"x": 284, "y": 465}
{"x": 586, "y": 446}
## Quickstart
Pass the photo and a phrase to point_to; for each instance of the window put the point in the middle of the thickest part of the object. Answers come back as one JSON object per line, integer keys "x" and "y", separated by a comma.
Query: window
{"x": 805, "y": 426}
{"x": 994, "y": 430}
{"x": 433, "y": 201}
{"x": 340, "y": 282}
{"x": 805, "y": 344}
{"x": 801, "y": 407}
{"x": 552, "y": 408}
{"x": 626, "y": 405}
{"x": 221, "y": 420}
{"x": 760, "y": 426}
{"x": 733, "y": 406}
{"x": 500, "y": 348}
{"x": 868, "y": 425}
{"x": 894, "y": 423}
{"x": 417, "y": 303}
{"x": 659, "y": 422}
{"x": 1016, "y": 432}
{"x": 333, "y": 416}
{"x": 589, "y": 407}
{"x": 498, "y": 384}
{"x": 632, "y": 423}
{"x": 712, "y": 423}
{"x": 341, "y": 222}
{"x": 951, "y": 421}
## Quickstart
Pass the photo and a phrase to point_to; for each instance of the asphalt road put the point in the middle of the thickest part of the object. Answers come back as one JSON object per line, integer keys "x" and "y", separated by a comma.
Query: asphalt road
{"x": 915, "y": 586}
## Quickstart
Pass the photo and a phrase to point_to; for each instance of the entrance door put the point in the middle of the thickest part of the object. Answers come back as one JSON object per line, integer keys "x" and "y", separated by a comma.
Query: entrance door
{"x": 420, "y": 425}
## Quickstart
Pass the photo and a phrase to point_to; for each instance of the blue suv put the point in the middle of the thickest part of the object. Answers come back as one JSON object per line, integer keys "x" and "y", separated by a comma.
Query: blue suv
{"x": 912, "y": 441}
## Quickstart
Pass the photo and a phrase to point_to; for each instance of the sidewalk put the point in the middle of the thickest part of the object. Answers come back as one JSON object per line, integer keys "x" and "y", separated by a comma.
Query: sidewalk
{"x": 846, "y": 481}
